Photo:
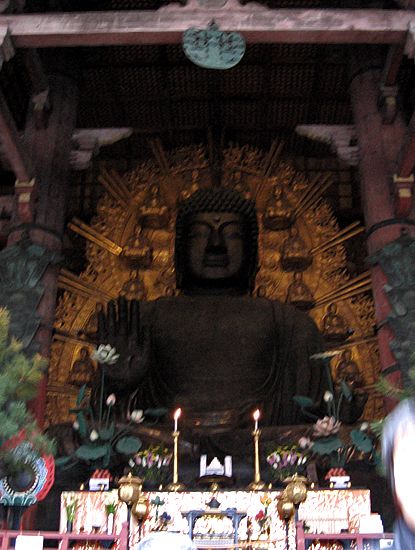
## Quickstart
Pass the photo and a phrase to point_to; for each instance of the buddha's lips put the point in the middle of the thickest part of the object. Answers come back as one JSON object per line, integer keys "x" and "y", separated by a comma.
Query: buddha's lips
{"x": 216, "y": 260}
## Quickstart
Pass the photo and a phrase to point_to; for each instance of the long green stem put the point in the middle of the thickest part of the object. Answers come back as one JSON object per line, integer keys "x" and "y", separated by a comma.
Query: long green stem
{"x": 101, "y": 397}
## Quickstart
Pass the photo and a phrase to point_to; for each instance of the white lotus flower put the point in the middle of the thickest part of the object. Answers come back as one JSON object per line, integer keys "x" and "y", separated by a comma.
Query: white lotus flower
{"x": 328, "y": 396}
{"x": 137, "y": 416}
{"x": 105, "y": 355}
{"x": 111, "y": 399}
{"x": 75, "y": 425}
{"x": 93, "y": 436}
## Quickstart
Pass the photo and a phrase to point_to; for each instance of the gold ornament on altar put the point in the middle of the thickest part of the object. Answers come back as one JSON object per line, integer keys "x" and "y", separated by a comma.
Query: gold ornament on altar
{"x": 141, "y": 508}
{"x": 285, "y": 509}
{"x": 129, "y": 489}
{"x": 142, "y": 198}
{"x": 296, "y": 489}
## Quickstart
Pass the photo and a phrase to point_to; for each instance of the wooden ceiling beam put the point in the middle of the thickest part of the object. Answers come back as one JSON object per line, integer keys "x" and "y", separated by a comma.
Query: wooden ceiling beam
{"x": 166, "y": 26}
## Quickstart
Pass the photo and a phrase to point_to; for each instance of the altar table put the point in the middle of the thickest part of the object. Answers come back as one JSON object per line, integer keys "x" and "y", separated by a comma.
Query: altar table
{"x": 324, "y": 511}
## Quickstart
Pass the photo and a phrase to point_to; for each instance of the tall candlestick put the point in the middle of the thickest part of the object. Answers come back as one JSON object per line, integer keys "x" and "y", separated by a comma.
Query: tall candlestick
{"x": 256, "y": 416}
{"x": 176, "y": 485}
{"x": 177, "y": 414}
{"x": 257, "y": 484}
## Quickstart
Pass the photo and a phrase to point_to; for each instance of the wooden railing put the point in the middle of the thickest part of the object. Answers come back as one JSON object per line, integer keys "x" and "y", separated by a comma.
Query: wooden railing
{"x": 7, "y": 538}
{"x": 359, "y": 538}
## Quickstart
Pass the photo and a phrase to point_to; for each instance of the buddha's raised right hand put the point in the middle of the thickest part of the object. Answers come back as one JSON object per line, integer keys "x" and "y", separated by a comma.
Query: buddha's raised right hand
{"x": 120, "y": 327}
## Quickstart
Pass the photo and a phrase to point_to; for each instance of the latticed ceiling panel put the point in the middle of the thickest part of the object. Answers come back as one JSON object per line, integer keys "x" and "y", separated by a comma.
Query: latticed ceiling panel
{"x": 185, "y": 114}
{"x": 142, "y": 83}
{"x": 332, "y": 112}
{"x": 245, "y": 79}
{"x": 144, "y": 115}
{"x": 291, "y": 80}
{"x": 241, "y": 113}
{"x": 285, "y": 112}
{"x": 333, "y": 81}
{"x": 187, "y": 81}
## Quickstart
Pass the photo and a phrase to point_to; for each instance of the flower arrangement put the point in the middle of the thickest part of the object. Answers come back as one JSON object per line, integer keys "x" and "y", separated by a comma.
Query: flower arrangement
{"x": 152, "y": 464}
{"x": 287, "y": 460}
{"x": 97, "y": 430}
{"x": 326, "y": 441}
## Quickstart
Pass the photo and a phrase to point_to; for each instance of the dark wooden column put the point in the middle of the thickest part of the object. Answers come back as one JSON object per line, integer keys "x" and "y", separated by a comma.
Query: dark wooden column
{"x": 379, "y": 146}
{"x": 49, "y": 150}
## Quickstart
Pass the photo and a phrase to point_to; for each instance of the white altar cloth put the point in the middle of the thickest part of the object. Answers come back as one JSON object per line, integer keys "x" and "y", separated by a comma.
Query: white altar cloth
{"x": 163, "y": 540}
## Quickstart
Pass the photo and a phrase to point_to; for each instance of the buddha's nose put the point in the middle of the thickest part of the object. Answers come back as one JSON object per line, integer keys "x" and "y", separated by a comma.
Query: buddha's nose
{"x": 216, "y": 243}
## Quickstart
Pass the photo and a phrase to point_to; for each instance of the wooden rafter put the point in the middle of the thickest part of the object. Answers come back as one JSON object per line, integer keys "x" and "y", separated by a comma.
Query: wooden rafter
{"x": 256, "y": 23}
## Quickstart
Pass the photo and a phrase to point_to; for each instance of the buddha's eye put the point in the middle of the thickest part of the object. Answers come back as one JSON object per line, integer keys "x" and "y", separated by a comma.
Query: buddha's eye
{"x": 198, "y": 231}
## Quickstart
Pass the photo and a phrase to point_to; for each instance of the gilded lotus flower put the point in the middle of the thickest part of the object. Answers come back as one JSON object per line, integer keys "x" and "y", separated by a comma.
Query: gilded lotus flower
{"x": 326, "y": 426}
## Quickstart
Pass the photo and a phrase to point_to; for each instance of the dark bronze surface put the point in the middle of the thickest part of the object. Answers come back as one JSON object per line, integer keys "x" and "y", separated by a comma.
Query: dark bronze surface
{"x": 214, "y": 350}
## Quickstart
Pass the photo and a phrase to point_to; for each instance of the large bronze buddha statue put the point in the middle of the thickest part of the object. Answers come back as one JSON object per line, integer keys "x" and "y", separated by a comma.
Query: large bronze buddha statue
{"x": 214, "y": 350}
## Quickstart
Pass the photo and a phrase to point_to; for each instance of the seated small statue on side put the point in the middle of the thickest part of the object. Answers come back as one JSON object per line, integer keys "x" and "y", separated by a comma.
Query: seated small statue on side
{"x": 295, "y": 255}
{"x": 298, "y": 293}
{"x": 279, "y": 213}
{"x": 82, "y": 370}
{"x": 333, "y": 325}
{"x": 134, "y": 288}
{"x": 348, "y": 372}
{"x": 137, "y": 251}
{"x": 153, "y": 214}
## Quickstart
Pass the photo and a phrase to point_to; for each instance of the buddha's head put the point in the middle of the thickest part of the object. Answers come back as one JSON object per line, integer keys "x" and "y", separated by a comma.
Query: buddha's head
{"x": 216, "y": 241}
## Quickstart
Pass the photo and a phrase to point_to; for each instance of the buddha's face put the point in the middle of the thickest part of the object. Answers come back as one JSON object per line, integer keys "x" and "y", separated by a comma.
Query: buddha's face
{"x": 216, "y": 247}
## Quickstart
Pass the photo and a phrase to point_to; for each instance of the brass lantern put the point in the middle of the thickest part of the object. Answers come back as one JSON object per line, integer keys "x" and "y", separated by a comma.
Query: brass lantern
{"x": 285, "y": 508}
{"x": 296, "y": 490}
{"x": 129, "y": 489}
{"x": 140, "y": 509}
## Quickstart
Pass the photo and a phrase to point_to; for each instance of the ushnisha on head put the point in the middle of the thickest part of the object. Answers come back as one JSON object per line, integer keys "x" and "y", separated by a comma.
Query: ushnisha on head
{"x": 216, "y": 241}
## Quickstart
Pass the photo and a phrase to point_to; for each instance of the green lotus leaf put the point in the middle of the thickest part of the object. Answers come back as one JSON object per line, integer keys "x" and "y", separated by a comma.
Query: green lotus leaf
{"x": 326, "y": 445}
{"x": 91, "y": 452}
{"x": 128, "y": 445}
{"x": 361, "y": 441}
{"x": 106, "y": 434}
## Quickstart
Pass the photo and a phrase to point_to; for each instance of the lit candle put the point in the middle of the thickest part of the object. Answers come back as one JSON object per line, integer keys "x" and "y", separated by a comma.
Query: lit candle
{"x": 256, "y": 417}
{"x": 177, "y": 413}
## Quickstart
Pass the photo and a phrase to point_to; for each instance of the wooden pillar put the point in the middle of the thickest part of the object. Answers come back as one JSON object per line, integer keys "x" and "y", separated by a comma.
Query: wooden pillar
{"x": 379, "y": 146}
{"x": 49, "y": 150}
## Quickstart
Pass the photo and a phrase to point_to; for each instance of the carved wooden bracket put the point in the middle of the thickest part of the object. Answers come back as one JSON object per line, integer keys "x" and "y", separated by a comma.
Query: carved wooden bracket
{"x": 404, "y": 189}
{"x": 342, "y": 139}
{"x": 6, "y": 46}
{"x": 87, "y": 143}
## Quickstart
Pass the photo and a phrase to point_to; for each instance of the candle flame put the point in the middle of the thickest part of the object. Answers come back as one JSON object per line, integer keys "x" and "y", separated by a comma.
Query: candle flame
{"x": 257, "y": 414}
{"x": 177, "y": 414}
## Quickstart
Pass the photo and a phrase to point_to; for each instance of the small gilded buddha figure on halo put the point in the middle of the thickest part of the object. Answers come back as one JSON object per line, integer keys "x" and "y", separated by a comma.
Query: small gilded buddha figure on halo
{"x": 298, "y": 293}
{"x": 154, "y": 214}
{"x": 295, "y": 255}
{"x": 137, "y": 251}
{"x": 333, "y": 325}
{"x": 279, "y": 213}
